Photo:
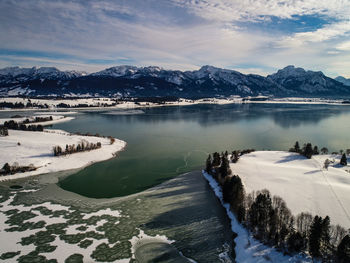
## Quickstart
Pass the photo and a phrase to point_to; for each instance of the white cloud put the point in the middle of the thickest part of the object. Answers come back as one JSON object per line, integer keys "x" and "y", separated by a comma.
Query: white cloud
{"x": 150, "y": 32}
{"x": 323, "y": 34}
{"x": 234, "y": 10}
{"x": 344, "y": 46}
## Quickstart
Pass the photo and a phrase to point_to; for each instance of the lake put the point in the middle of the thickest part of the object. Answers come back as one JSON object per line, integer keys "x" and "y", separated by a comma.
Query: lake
{"x": 167, "y": 141}
{"x": 162, "y": 144}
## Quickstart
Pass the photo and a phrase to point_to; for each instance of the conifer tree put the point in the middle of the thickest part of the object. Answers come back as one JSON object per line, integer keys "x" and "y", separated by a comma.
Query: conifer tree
{"x": 224, "y": 167}
{"x": 319, "y": 238}
{"x": 235, "y": 156}
{"x": 208, "y": 166}
{"x": 259, "y": 213}
{"x": 233, "y": 193}
{"x": 295, "y": 242}
{"x": 343, "y": 250}
{"x": 343, "y": 160}
{"x": 7, "y": 168}
{"x": 325, "y": 248}
{"x": 216, "y": 159}
{"x": 297, "y": 147}
{"x": 308, "y": 151}
{"x": 315, "y": 237}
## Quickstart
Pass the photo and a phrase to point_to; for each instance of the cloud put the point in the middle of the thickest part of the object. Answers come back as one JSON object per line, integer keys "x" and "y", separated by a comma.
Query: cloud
{"x": 91, "y": 35}
{"x": 257, "y": 10}
{"x": 344, "y": 46}
{"x": 323, "y": 34}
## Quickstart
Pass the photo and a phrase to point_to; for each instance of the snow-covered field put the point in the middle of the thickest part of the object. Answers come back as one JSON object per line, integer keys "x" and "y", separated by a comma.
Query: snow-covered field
{"x": 301, "y": 182}
{"x": 100, "y": 102}
{"x": 54, "y": 102}
{"x": 37, "y": 148}
{"x": 55, "y": 119}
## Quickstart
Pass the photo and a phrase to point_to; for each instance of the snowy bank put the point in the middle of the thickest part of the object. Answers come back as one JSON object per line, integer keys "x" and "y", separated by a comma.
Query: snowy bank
{"x": 37, "y": 148}
{"x": 301, "y": 182}
{"x": 248, "y": 249}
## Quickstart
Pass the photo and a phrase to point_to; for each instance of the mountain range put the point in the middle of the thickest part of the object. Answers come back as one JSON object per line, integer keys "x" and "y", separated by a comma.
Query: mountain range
{"x": 131, "y": 81}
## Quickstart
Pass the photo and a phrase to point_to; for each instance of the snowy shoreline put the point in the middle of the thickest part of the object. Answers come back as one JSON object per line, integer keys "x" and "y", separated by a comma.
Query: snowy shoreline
{"x": 36, "y": 148}
{"x": 247, "y": 248}
{"x": 108, "y": 103}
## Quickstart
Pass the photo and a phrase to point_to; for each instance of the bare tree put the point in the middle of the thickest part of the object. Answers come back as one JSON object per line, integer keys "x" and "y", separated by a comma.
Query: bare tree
{"x": 304, "y": 221}
{"x": 326, "y": 164}
{"x": 337, "y": 233}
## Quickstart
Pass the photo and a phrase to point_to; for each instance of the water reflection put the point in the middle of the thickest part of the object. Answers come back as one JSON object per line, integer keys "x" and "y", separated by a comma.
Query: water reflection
{"x": 284, "y": 115}
{"x": 164, "y": 142}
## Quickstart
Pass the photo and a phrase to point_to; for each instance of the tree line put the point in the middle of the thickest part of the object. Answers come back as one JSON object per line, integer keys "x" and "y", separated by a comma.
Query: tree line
{"x": 307, "y": 150}
{"x": 80, "y": 147}
{"x": 270, "y": 220}
{"x": 16, "y": 168}
{"x": 13, "y": 125}
{"x": 111, "y": 139}
{"x": 38, "y": 119}
{"x": 84, "y": 105}
{"x": 21, "y": 105}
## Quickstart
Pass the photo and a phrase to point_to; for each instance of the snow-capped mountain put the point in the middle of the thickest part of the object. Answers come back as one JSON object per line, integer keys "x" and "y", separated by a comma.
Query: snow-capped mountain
{"x": 12, "y": 73}
{"x": 133, "y": 72}
{"x": 300, "y": 81}
{"x": 131, "y": 81}
{"x": 343, "y": 80}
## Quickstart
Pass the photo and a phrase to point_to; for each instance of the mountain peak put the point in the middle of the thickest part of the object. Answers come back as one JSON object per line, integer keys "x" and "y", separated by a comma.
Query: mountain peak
{"x": 291, "y": 70}
{"x": 343, "y": 80}
{"x": 42, "y": 72}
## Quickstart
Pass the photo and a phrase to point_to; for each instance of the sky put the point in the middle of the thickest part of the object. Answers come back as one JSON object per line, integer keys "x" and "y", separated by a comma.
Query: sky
{"x": 251, "y": 36}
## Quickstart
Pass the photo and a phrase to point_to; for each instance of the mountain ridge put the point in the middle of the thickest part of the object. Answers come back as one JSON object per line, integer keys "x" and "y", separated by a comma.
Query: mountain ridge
{"x": 343, "y": 80}
{"x": 153, "y": 81}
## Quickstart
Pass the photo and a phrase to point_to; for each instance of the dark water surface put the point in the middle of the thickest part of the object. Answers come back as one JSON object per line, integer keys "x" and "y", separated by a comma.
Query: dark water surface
{"x": 165, "y": 142}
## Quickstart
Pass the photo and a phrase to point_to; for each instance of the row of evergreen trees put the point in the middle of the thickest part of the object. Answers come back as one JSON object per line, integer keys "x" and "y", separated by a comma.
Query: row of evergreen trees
{"x": 220, "y": 163}
{"x": 38, "y": 119}
{"x": 80, "y": 147}
{"x": 13, "y": 125}
{"x": 270, "y": 221}
{"x": 21, "y": 105}
{"x": 308, "y": 151}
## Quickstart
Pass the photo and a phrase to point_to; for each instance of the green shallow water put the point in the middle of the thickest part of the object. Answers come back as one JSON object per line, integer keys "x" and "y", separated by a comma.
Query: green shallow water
{"x": 165, "y": 142}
